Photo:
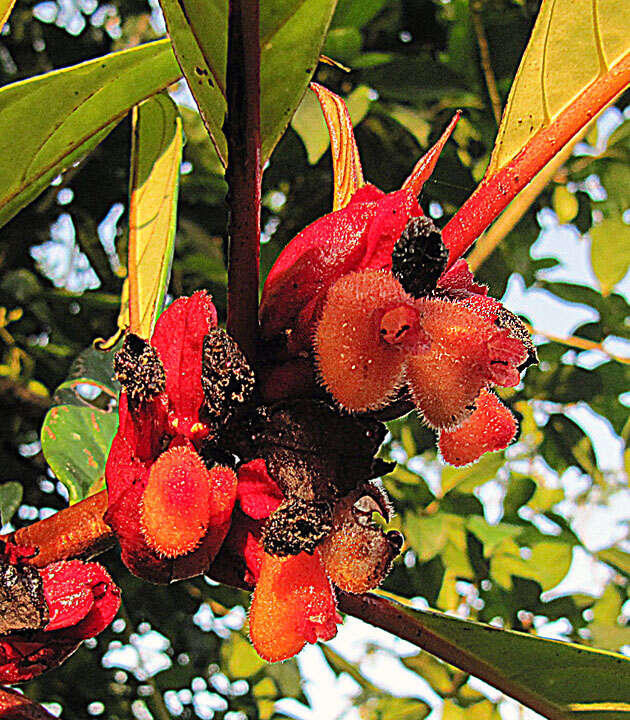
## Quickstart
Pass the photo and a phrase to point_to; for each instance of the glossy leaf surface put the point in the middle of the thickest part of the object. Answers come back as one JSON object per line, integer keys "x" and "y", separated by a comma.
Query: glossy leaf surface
{"x": 68, "y": 112}
{"x": 155, "y": 161}
{"x": 5, "y": 10}
{"x": 572, "y": 44}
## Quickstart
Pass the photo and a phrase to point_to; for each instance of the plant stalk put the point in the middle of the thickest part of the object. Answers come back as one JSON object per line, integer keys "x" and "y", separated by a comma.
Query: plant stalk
{"x": 244, "y": 174}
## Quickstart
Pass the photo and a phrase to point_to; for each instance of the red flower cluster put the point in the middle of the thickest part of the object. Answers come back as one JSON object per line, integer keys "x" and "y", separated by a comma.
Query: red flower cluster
{"x": 168, "y": 510}
{"x": 370, "y": 292}
{"x": 47, "y": 613}
{"x": 294, "y": 600}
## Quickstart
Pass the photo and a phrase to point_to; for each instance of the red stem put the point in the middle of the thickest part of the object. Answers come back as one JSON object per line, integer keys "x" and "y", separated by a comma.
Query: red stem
{"x": 495, "y": 192}
{"x": 244, "y": 173}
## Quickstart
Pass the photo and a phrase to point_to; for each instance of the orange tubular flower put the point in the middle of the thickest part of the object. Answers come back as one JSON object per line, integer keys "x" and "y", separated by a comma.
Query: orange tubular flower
{"x": 387, "y": 316}
{"x": 303, "y": 522}
{"x": 169, "y": 504}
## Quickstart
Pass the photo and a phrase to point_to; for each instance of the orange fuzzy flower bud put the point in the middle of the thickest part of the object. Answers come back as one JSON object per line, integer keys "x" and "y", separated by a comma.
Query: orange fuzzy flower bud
{"x": 180, "y": 501}
{"x": 491, "y": 427}
{"x": 293, "y": 604}
{"x": 467, "y": 353}
{"x": 357, "y": 554}
{"x": 369, "y": 325}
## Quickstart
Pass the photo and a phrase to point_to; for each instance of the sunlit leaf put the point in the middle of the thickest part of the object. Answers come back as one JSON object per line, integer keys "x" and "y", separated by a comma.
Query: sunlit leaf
{"x": 5, "y": 10}
{"x": 156, "y": 154}
{"x": 572, "y": 44}
{"x": 610, "y": 252}
{"x": 68, "y": 112}
{"x": 619, "y": 559}
{"x": 10, "y": 499}
{"x": 291, "y": 36}
{"x": 559, "y": 680}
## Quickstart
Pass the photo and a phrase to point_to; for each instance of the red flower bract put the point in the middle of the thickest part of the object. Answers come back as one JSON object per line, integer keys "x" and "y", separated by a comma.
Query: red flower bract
{"x": 168, "y": 510}
{"x": 371, "y": 293}
{"x": 48, "y": 612}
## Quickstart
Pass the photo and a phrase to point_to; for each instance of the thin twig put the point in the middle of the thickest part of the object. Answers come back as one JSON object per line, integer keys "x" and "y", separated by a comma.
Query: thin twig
{"x": 578, "y": 342}
{"x": 486, "y": 64}
{"x": 244, "y": 173}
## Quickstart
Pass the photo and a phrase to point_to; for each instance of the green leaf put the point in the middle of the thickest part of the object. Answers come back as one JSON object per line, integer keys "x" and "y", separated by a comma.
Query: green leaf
{"x": 156, "y": 155}
{"x": 291, "y": 36}
{"x": 466, "y": 479}
{"x": 568, "y": 50}
{"x": 78, "y": 431}
{"x": 68, "y": 112}
{"x": 619, "y": 559}
{"x": 239, "y": 658}
{"x": 76, "y": 442}
{"x": 559, "y": 680}
{"x": 10, "y": 499}
{"x": 610, "y": 252}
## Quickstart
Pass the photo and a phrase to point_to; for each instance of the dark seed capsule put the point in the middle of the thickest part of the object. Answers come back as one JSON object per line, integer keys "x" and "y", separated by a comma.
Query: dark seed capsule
{"x": 139, "y": 369}
{"x": 419, "y": 257}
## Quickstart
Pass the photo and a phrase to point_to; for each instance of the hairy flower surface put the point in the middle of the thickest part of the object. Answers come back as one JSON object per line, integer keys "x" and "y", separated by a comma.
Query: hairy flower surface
{"x": 168, "y": 508}
{"x": 48, "y": 612}
{"x": 371, "y": 294}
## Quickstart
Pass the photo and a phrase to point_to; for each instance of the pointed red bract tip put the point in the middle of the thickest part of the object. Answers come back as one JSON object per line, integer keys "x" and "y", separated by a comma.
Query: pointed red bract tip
{"x": 293, "y": 604}
{"x": 175, "y": 507}
{"x": 490, "y": 427}
{"x": 367, "y": 329}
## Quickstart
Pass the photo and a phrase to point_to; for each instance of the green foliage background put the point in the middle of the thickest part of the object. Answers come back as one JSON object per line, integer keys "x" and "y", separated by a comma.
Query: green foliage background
{"x": 413, "y": 62}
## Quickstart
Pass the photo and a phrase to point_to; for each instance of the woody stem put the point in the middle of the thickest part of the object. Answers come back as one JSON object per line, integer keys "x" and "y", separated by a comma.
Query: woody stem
{"x": 244, "y": 173}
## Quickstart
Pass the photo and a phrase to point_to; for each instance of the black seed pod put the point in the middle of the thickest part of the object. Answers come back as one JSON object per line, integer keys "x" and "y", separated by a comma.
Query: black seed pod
{"x": 419, "y": 257}
{"x": 139, "y": 370}
{"x": 297, "y": 526}
{"x": 226, "y": 377}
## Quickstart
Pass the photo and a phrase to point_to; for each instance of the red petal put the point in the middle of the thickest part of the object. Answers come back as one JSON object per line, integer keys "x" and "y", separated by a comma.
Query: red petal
{"x": 324, "y": 251}
{"x": 82, "y": 598}
{"x": 491, "y": 427}
{"x": 16, "y": 706}
{"x": 460, "y": 277}
{"x": 257, "y": 494}
{"x": 22, "y": 660}
{"x": 293, "y": 604}
{"x": 178, "y": 338}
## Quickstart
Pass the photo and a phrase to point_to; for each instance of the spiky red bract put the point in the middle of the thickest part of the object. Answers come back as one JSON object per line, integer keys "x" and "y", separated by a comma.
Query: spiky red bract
{"x": 359, "y": 358}
{"x": 490, "y": 427}
{"x": 293, "y": 604}
{"x": 175, "y": 505}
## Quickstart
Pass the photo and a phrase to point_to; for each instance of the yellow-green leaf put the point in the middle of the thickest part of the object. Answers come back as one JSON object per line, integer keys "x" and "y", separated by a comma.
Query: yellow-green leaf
{"x": 52, "y": 120}
{"x": 610, "y": 252}
{"x": 572, "y": 44}
{"x": 156, "y": 155}
{"x": 5, "y": 10}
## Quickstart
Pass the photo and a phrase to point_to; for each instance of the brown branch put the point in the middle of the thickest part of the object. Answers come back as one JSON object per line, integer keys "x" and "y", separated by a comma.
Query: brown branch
{"x": 244, "y": 173}
{"x": 486, "y": 64}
